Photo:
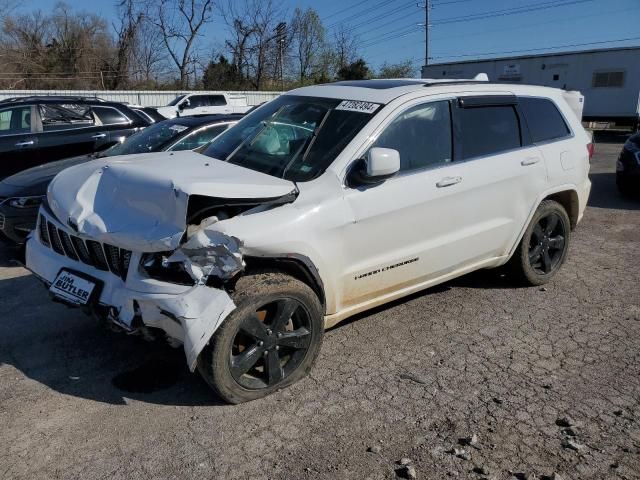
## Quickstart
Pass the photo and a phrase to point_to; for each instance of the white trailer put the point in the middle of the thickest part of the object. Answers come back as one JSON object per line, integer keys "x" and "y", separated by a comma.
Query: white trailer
{"x": 609, "y": 79}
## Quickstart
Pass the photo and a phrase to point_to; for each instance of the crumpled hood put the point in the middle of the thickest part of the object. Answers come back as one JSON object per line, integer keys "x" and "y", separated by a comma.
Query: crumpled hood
{"x": 139, "y": 202}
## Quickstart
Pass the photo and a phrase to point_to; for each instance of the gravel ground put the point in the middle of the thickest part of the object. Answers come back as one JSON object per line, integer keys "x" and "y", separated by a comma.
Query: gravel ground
{"x": 472, "y": 379}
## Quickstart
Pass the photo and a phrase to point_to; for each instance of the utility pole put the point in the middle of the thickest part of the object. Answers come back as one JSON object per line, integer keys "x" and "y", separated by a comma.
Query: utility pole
{"x": 281, "y": 32}
{"x": 427, "y": 7}
{"x": 426, "y": 32}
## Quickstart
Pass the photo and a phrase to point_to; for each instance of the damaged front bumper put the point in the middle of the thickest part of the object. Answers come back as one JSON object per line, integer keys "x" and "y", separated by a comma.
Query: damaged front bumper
{"x": 188, "y": 314}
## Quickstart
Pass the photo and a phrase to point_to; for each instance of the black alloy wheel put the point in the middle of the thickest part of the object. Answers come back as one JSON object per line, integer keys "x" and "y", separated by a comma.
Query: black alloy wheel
{"x": 270, "y": 344}
{"x": 547, "y": 244}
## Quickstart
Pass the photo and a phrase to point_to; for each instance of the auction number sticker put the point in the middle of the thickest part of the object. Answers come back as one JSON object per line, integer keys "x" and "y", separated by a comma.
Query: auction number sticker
{"x": 357, "y": 106}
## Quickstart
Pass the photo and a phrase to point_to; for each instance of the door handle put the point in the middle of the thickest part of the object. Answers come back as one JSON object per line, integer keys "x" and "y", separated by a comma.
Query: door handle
{"x": 99, "y": 136}
{"x": 26, "y": 143}
{"x": 529, "y": 161}
{"x": 448, "y": 181}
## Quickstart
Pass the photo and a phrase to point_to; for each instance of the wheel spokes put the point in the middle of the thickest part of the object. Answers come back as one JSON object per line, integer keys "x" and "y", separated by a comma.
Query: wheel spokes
{"x": 254, "y": 327}
{"x": 546, "y": 261}
{"x": 534, "y": 254}
{"x": 538, "y": 233}
{"x": 552, "y": 223}
{"x": 286, "y": 308}
{"x": 298, "y": 339}
{"x": 241, "y": 364}
{"x": 557, "y": 243}
{"x": 274, "y": 369}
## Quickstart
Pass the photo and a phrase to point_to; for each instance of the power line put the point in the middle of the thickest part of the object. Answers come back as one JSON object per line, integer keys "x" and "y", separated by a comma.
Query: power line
{"x": 345, "y": 9}
{"x": 508, "y": 11}
{"x": 371, "y": 9}
{"x": 537, "y": 49}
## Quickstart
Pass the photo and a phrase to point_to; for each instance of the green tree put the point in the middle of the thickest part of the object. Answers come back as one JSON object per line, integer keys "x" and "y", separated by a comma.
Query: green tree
{"x": 397, "y": 70}
{"x": 357, "y": 70}
{"x": 221, "y": 75}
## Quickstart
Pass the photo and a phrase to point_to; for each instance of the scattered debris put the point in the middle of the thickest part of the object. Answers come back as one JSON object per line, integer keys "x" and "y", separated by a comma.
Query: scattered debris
{"x": 481, "y": 470}
{"x": 571, "y": 444}
{"x": 404, "y": 461}
{"x": 497, "y": 400}
{"x": 472, "y": 441}
{"x": 569, "y": 431}
{"x": 407, "y": 471}
{"x": 374, "y": 449}
{"x": 618, "y": 413}
{"x": 543, "y": 289}
{"x": 460, "y": 453}
{"x": 565, "y": 422}
{"x": 413, "y": 378}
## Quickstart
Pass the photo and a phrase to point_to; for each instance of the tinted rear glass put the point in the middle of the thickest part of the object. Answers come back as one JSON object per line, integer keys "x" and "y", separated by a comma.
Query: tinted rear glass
{"x": 543, "y": 118}
{"x": 110, "y": 116}
{"x": 488, "y": 130}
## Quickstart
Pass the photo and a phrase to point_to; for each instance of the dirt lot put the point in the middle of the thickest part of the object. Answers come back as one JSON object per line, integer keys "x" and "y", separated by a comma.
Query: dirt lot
{"x": 473, "y": 357}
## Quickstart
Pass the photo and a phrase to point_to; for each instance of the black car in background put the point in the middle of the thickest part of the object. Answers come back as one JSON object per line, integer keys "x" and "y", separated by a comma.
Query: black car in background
{"x": 22, "y": 193}
{"x": 37, "y": 130}
{"x": 628, "y": 167}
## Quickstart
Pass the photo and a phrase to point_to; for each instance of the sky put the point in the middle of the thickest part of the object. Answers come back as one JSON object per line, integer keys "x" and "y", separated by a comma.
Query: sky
{"x": 392, "y": 31}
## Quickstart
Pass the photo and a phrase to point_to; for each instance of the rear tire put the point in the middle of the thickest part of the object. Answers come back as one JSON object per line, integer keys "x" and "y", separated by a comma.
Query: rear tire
{"x": 270, "y": 341}
{"x": 544, "y": 245}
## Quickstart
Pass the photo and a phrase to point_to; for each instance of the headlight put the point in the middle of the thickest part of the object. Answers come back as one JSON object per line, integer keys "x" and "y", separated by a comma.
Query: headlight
{"x": 25, "y": 202}
{"x": 157, "y": 267}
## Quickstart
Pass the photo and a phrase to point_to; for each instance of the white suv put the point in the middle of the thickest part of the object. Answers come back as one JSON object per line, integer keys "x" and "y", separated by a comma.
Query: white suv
{"x": 322, "y": 203}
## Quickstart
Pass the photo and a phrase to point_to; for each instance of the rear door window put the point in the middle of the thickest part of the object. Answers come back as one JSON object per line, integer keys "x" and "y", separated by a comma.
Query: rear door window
{"x": 217, "y": 100}
{"x": 487, "y": 130}
{"x": 15, "y": 120}
{"x": 65, "y": 116}
{"x": 110, "y": 116}
{"x": 543, "y": 118}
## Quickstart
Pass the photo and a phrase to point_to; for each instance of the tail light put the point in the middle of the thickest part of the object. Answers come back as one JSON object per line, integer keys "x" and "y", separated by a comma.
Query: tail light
{"x": 591, "y": 148}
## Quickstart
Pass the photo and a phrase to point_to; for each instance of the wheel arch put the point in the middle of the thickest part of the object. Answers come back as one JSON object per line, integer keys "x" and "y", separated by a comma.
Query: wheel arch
{"x": 570, "y": 202}
{"x": 298, "y": 266}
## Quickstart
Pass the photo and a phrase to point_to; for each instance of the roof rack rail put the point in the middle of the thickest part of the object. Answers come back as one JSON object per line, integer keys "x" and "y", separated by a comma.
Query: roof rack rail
{"x": 479, "y": 78}
{"x": 27, "y": 98}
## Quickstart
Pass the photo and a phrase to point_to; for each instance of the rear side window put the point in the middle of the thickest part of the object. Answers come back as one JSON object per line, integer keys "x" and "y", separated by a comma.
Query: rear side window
{"x": 110, "y": 116}
{"x": 65, "y": 116}
{"x": 196, "y": 101}
{"x": 217, "y": 100}
{"x": 543, "y": 118}
{"x": 488, "y": 130}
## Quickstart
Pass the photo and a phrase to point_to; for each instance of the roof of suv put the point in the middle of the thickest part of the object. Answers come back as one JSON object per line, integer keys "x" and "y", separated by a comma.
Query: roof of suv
{"x": 386, "y": 90}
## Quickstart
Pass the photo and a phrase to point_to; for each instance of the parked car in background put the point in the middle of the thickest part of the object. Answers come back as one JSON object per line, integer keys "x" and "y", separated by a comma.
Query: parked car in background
{"x": 22, "y": 193}
{"x": 323, "y": 203}
{"x": 628, "y": 167}
{"x": 37, "y": 130}
{"x": 204, "y": 104}
{"x": 150, "y": 113}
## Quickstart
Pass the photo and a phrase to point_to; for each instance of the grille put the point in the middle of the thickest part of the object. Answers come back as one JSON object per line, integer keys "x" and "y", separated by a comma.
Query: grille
{"x": 1, "y": 221}
{"x": 103, "y": 257}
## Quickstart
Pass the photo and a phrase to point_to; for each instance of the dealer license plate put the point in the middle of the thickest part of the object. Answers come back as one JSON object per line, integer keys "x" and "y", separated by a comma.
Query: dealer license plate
{"x": 73, "y": 288}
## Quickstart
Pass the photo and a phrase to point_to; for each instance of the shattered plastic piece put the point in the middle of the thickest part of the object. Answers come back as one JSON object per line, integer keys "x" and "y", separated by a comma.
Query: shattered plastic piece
{"x": 210, "y": 253}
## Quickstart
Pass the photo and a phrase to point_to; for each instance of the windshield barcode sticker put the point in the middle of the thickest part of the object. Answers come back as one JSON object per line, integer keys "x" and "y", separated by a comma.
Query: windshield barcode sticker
{"x": 356, "y": 106}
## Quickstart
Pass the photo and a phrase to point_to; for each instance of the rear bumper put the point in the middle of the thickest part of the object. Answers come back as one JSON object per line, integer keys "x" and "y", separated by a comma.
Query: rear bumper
{"x": 189, "y": 315}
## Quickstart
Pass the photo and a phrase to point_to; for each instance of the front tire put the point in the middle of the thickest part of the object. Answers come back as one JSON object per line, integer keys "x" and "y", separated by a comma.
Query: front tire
{"x": 544, "y": 245}
{"x": 270, "y": 341}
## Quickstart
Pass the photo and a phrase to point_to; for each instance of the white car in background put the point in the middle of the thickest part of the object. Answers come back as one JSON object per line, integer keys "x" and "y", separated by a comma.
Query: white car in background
{"x": 204, "y": 104}
{"x": 320, "y": 204}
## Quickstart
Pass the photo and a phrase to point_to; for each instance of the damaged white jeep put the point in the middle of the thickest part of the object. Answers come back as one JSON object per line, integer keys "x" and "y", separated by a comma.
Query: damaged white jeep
{"x": 320, "y": 204}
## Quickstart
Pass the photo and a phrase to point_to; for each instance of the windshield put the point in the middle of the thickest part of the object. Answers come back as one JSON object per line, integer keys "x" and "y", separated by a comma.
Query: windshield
{"x": 175, "y": 100}
{"x": 293, "y": 137}
{"x": 151, "y": 139}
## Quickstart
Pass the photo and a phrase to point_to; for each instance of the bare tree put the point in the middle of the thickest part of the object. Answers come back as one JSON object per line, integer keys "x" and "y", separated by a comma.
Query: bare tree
{"x": 308, "y": 41}
{"x": 127, "y": 32}
{"x": 344, "y": 47}
{"x": 253, "y": 42}
{"x": 149, "y": 54}
{"x": 180, "y": 22}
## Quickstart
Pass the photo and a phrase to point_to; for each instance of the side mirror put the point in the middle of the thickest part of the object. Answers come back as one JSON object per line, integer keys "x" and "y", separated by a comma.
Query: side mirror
{"x": 379, "y": 165}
